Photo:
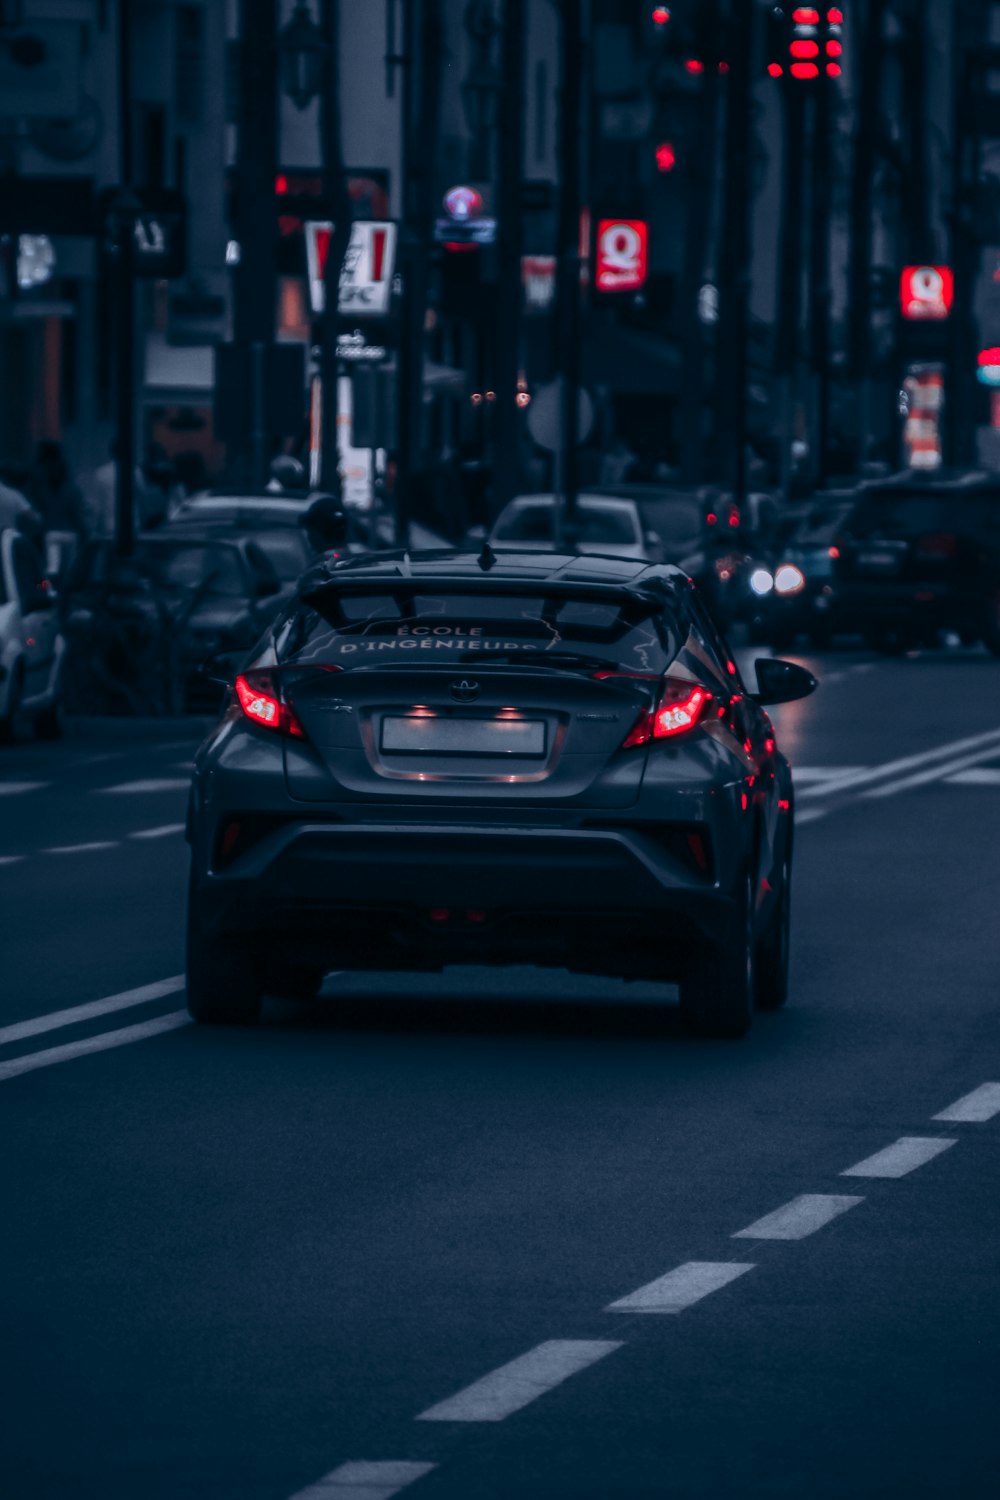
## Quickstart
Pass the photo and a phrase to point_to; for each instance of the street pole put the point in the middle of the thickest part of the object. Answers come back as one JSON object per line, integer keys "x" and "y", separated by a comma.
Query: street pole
{"x": 336, "y": 190}
{"x": 124, "y": 286}
{"x": 256, "y": 168}
{"x": 819, "y": 275}
{"x": 859, "y": 267}
{"x": 571, "y": 93}
{"x": 506, "y": 432}
{"x": 786, "y": 359}
{"x": 734, "y": 254}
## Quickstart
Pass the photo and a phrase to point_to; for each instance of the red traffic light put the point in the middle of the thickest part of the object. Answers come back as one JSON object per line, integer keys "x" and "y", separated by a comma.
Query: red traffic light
{"x": 661, "y": 15}
{"x": 666, "y": 157}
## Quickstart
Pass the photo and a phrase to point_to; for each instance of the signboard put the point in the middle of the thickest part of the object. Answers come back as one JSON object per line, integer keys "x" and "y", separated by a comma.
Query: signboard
{"x": 366, "y": 277}
{"x": 622, "y": 254}
{"x": 926, "y": 292}
{"x": 159, "y": 229}
{"x": 988, "y": 367}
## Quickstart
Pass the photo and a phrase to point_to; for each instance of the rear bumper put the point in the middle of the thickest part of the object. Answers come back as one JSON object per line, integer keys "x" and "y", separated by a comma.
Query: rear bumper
{"x": 617, "y": 900}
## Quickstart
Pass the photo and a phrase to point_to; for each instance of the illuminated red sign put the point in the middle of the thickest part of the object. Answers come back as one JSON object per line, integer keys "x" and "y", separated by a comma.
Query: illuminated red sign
{"x": 926, "y": 292}
{"x": 622, "y": 254}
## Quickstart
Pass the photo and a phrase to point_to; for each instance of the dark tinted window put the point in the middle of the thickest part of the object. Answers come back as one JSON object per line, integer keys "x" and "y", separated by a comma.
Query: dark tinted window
{"x": 534, "y": 523}
{"x": 906, "y": 515}
{"x": 214, "y": 570}
{"x": 287, "y": 550}
{"x": 398, "y": 627}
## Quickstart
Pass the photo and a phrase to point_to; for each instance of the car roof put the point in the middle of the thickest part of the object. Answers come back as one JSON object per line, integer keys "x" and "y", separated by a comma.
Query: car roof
{"x": 591, "y": 499}
{"x": 460, "y": 567}
{"x": 935, "y": 482}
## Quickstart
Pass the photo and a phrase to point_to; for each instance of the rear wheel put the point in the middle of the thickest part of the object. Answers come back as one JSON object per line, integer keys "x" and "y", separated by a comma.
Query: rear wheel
{"x": 49, "y": 723}
{"x": 771, "y": 968}
{"x": 9, "y": 720}
{"x": 717, "y": 992}
{"x": 224, "y": 975}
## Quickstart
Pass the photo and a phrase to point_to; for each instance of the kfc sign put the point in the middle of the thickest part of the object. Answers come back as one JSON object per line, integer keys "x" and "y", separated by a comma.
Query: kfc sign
{"x": 622, "y": 254}
{"x": 366, "y": 277}
{"x": 926, "y": 292}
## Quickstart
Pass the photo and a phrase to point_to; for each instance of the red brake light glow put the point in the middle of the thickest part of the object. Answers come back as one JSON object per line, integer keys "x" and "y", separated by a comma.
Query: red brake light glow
{"x": 680, "y": 707}
{"x": 261, "y": 700}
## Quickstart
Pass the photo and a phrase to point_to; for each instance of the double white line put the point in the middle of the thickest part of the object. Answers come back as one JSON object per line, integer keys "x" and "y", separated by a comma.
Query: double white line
{"x": 910, "y": 771}
{"x": 55, "y": 1020}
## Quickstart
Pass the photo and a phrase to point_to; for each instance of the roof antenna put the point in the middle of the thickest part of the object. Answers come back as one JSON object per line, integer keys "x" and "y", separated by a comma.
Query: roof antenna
{"x": 487, "y": 557}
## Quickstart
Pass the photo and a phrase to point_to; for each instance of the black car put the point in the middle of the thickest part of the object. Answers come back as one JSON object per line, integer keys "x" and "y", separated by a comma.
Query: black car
{"x": 915, "y": 557}
{"x": 443, "y": 758}
{"x": 800, "y": 598}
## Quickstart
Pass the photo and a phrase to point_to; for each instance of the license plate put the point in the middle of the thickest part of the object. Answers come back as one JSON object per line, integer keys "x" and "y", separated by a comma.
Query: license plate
{"x": 431, "y": 735}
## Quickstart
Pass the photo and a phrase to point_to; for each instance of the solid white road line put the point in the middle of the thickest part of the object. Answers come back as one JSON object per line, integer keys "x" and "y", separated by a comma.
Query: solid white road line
{"x": 981, "y": 776}
{"x": 681, "y": 1287}
{"x": 158, "y": 833}
{"x": 802, "y": 1216}
{"x": 907, "y": 763}
{"x": 13, "y": 788}
{"x": 811, "y": 814}
{"x": 161, "y": 784}
{"x": 803, "y": 774}
{"x": 11, "y": 859}
{"x": 982, "y": 1104}
{"x": 364, "y": 1481}
{"x": 936, "y": 773}
{"x": 904, "y": 1155}
{"x": 82, "y": 848}
{"x": 122, "y": 1001}
{"x": 102, "y": 1043}
{"x": 517, "y": 1384}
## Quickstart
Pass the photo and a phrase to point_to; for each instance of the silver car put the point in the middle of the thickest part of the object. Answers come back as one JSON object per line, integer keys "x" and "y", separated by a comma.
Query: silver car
{"x": 602, "y": 524}
{"x": 32, "y": 648}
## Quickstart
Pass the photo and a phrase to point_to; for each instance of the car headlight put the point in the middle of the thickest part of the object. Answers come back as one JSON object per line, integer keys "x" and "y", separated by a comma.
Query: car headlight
{"x": 789, "y": 579}
{"x": 761, "y": 581}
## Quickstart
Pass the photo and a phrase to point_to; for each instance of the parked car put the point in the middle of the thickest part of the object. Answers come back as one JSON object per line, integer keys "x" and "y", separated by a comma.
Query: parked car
{"x": 672, "y": 515}
{"x": 916, "y": 556}
{"x": 603, "y": 524}
{"x": 32, "y": 647}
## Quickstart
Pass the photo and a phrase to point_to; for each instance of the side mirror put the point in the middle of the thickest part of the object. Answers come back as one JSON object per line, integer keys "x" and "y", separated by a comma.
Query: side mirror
{"x": 782, "y": 681}
{"x": 222, "y": 668}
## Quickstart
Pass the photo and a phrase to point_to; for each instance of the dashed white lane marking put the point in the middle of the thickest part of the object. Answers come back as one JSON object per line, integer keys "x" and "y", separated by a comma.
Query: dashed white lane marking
{"x": 978, "y": 776}
{"x": 14, "y": 788}
{"x": 55, "y": 1019}
{"x": 158, "y": 833}
{"x": 811, "y": 815}
{"x": 82, "y": 848}
{"x": 804, "y": 774}
{"x": 521, "y": 1381}
{"x": 800, "y": 1217}
{"x": 982, "y": 1104}
{"x": 11, "y": 859}
{"x": 681, "y": 1287}
{"x": 102, "y": 1043}
{"x": 153, "y": 784}
{"x": 904, "y": 1155}
{"x": 364, "y": 1481}
{"x": 907, "y": 763}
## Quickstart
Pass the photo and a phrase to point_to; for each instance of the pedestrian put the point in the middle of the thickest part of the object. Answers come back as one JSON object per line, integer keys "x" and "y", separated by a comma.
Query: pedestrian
{"x": 55, "y": 494}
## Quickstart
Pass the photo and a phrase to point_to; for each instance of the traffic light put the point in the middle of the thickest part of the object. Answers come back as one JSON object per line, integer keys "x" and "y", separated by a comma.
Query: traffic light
{"x": 666, "y": 157}
{"x": 806, "y": 42}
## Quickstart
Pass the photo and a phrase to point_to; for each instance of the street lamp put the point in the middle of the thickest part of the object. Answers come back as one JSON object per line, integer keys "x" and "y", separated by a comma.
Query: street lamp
{"x": 302, "y": 54}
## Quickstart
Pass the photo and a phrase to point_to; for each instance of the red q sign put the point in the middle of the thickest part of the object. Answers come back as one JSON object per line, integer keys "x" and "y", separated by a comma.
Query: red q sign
{"x": 926, "y": 291}
{"x": 621, "y": 254}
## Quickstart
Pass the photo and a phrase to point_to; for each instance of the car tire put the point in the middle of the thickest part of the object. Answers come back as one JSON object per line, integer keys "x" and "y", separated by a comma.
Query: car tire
{"x": 9, "y": 720}
{"x": 771, "y": 966}
{"x": 717, "y": 991}
{"x": 224, "y": 975}
{"x": 50, "y": 723}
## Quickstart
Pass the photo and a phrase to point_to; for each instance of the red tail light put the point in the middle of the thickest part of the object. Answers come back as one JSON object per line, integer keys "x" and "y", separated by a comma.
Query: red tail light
{"x": 680, "y": 707}
{"x": 261, "y": 699}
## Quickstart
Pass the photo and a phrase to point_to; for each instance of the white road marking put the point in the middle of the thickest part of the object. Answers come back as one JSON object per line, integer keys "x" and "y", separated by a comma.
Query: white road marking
{"x": 521, "y": 1381}
{"x": 154, "y": 784}
{"x": 11, "y": 859}
{"x": 158, "y": 833}
{"x": 55, "y": 1019}
{"x": 936, "y": 773}
{"x": 980, "y": 776}
{"x": 802, "y": 774}
{"x": 907, "y": 763}
{"x": 102, "y": 1043}
{"x": 800, "y": 1217}
{"x": 681, "y": 1287}
{"x": 82, "y": 848}
{"x": 904, "y": 1155}
{"x": 982, "y": 1104}
{"x": 810, "y": 815}
{"x": 364, "y": 1481}
{"x": 14, "y": 788}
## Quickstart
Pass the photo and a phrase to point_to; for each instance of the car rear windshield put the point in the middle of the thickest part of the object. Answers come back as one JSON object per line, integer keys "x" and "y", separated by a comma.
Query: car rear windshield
{"x": 535, "y": 523}
{"x": 396, "y": 628}
{"x": 903, "y": 515}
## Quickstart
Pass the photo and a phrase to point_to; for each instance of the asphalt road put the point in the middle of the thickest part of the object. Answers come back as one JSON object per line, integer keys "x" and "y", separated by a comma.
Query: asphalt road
{"x": 374, "y": 1248}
